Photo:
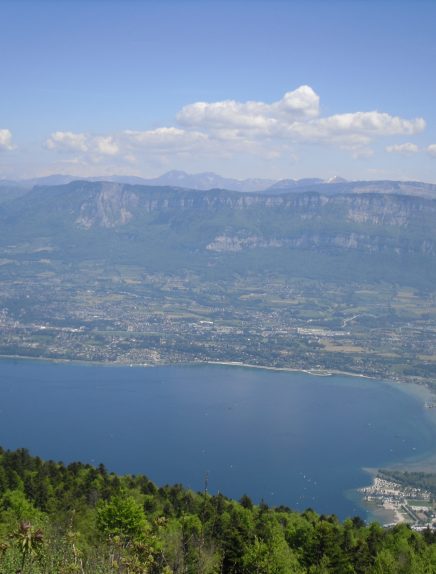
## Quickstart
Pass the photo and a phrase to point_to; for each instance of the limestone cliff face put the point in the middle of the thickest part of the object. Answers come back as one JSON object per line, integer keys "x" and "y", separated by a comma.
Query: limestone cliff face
{"x": 314, "y": 241}
{"x": 226, "y": 221}
{"x": 112, "y": 206}
{"x": 385, "y": 209}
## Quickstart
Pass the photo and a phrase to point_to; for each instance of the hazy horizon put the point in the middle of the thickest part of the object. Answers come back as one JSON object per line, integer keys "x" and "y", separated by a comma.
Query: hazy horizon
{"x": 157, "y": 176}
{"x": 247, "y": 89}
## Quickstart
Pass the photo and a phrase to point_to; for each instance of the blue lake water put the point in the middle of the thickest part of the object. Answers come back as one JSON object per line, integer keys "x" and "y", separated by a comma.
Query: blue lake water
{"x": 289, "y": 438}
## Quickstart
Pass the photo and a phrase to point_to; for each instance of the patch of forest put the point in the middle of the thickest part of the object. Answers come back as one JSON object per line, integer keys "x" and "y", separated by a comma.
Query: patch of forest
{"x": 57, "y": 518}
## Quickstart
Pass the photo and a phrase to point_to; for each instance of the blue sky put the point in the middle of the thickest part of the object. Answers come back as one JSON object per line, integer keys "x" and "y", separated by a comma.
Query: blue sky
{"x": 243, "y": 88}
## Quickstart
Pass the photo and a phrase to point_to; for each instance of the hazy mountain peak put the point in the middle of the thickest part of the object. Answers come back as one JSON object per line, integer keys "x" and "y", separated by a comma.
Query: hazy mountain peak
{"x": 209, "y": 180}
{"x": 177, "y": 173}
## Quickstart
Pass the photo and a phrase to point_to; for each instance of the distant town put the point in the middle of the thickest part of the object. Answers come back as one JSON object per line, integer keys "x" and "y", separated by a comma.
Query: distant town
{"x": 402, "y": 502}
{"x": 128, "y": 316}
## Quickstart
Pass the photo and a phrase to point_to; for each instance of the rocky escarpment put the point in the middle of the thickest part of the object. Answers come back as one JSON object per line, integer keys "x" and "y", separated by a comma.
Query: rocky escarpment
{"x": 314, "y": 241}
{"x": 219, "y": 221}
{"x": 111, "y": 205}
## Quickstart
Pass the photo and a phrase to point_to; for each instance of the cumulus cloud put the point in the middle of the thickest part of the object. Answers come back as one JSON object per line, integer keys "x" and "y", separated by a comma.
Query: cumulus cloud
{"x": 295, "y": 118}
{"x": 404, "y": 148}
{"x": 106, "y": 145}
{"x": 227, "y": 127}
{"x": 6, "y": 140}
{"x": 82, "y": 143}
{"x": 67, "y": 141}
{"x": 370, "y": 124}
{"x": 123, "y": 143}
{"x": 230, "y": 114}
{"x": 431, "y": 149}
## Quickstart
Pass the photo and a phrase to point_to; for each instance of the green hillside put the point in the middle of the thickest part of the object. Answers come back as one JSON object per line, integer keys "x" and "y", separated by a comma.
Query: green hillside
{"x": 64, "y": 519}
{"x": 374, "y": 236}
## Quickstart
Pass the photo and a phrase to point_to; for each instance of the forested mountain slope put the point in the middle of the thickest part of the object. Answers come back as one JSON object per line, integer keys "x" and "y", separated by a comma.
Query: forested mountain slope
{"x": 154, "y": 226}
{"x": 77, "y": 518}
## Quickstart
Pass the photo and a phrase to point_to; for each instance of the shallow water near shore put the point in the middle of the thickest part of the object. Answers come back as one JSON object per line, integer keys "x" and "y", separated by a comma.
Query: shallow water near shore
{"x": 289, "y": 438}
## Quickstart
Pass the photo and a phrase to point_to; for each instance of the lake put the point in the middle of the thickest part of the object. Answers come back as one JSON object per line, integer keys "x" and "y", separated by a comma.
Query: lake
{"x": 286, "y": 437}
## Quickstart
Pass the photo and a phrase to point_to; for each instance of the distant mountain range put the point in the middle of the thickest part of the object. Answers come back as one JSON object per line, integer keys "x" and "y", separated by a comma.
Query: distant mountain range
{"x": 200, "y": 181}
{"x": 388, "y": 235}
{"x": 338, "y": 186}
{"x": 208, "y": 180}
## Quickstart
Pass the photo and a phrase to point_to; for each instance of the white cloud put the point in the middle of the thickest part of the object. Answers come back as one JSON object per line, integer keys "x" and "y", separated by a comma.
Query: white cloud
{"x": 431, "y": 149}
{"x": 6, "y": 140}
{"x": 369, "y": 124}
{"x": 230, "y": 114}
{"x": 106, "y": 145}
{"x": 83, "y": 143}
{"x": 404, "y": 148}
{"x": 224, "y": 129}
{"x": 67, "y": 141}
{"x": 123, "y": 145}
{"x": 302, "y": 101}
{"x": 294, "y": 119}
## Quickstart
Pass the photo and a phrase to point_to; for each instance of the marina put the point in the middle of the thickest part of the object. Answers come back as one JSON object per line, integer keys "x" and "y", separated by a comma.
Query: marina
{"x": 404, "y": 503}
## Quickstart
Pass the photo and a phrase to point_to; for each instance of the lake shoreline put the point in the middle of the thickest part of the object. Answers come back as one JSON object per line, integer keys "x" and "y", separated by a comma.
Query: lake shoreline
{"x": 385, "y": 514}
{"x": 232, "y": 412}
{"x": 428, "y": 389}
{"x": 424, "y": 463}
{"x": 314, "y": 371}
